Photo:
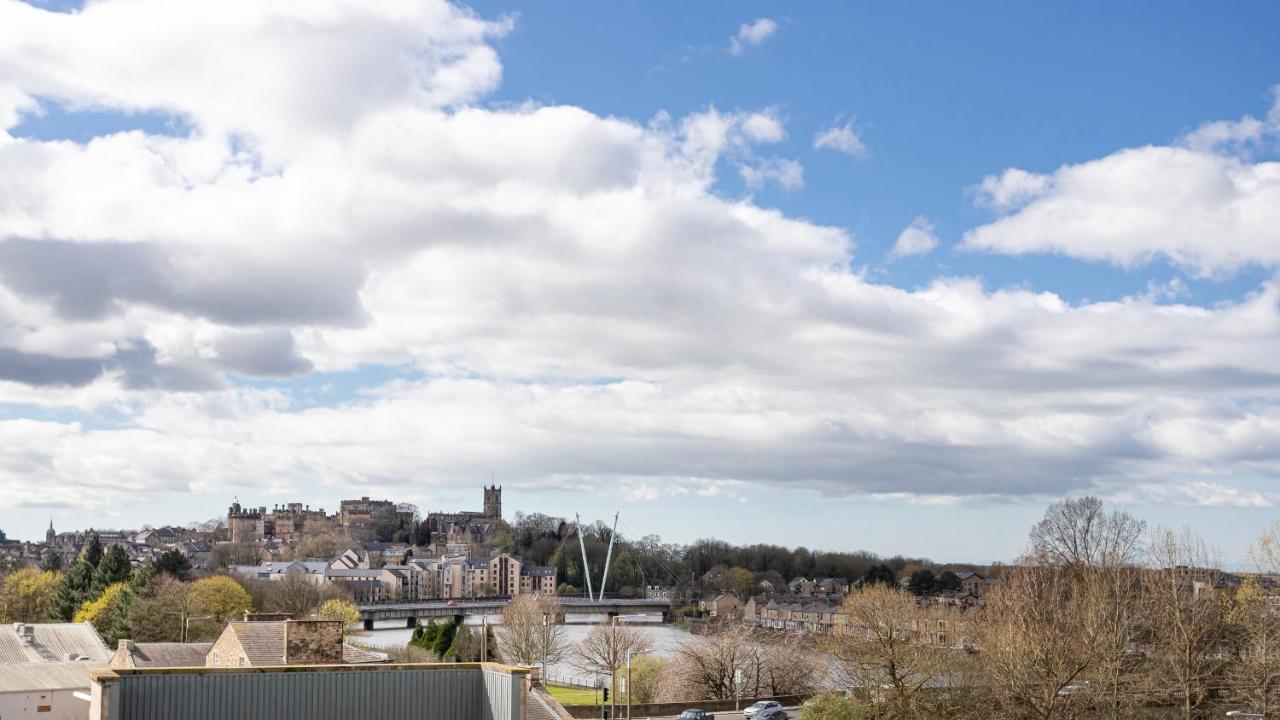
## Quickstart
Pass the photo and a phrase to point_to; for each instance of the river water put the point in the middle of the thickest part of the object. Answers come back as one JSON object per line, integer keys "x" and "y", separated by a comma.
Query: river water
{"x": 663, "y": 638}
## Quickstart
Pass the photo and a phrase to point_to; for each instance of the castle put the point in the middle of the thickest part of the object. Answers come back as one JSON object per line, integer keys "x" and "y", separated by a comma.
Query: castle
{"x": 358, "y": 517}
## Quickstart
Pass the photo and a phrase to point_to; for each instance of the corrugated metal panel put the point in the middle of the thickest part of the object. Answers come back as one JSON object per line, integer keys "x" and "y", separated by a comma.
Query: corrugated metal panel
{"x": 386, "y": 693}
{"x": 32, "y": 677}
{"x": 53, "y": 642}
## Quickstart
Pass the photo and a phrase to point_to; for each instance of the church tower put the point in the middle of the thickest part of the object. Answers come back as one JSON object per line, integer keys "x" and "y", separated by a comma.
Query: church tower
{"x": 49, "y": 534}
{"x": 493, "y": 501}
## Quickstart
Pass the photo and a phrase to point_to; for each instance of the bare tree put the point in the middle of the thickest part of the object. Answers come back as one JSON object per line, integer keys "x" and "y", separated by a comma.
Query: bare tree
{"x": 1112, "y": 598}
{"x": 1254, "y": 674}
{"x": 1185, "y": 612}
{"x": 605, "y": 649}
{"x": 710, "y": 665}
{"x": 884, "y": 647}
{"x": 1033, "y": 650}
{"x": 1079, "y": 533}
{"x": 531, "y": 632}
{"x": 294, "y": 594}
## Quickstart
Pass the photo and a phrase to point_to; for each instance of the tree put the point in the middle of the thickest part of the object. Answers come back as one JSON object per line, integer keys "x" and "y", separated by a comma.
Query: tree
{"x": 879, "y": 573}
{"x": 225, "y": 555}
{"x": 113, "y": 568}
{"x": 54, "y": 562}
{"x": 294, "y": 594}
{"x": 174, "y": 563}
{"x": 1032, "y": 643}
{"x": 1079, "y": 533}
{"x": 72, "y": 590}
{"x": 886, "y": 644}
{"x": 1253, "y": 679}
{"x": 645, "y": 678}
{"x": 27, "y": 595}
{"x": 948, "y": 582}
{"x": 834, "y": 706}
{"x": 160, "y": 609}
{"x": 714, "y": 665}
{"x": 343, "y": 610}
{"x": 923, "y": 582}
{"x": 605, "y": 649}
{"x": 93, "y": 551}
{"x": 1186, "y": 617}
{"x": 109, "y": 612}
{"x": 323, "y": 545}
{"x": 531, "y": 632}
{"x": 219, "y": 598}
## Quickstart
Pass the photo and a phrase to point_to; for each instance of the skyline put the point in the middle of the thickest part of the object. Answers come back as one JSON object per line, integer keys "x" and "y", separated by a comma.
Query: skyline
{"x": 842, "y": 277}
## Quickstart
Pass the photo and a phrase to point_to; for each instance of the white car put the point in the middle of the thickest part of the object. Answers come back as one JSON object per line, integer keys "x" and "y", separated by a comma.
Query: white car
{"x": 754, "y": 710}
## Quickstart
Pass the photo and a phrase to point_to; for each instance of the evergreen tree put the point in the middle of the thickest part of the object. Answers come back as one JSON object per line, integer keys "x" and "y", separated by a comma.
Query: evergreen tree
{"x": 879, "y": 573}
{"x": 948, "y": 582}
{"x": 55, "y": 562}
{"x": 71, "y": 591}
{"x": 923, "y": 582}
{"x": 174, "y": 563}
{"x": 113, "y": 568}
{"x": 93, "y": 551}
{"x": 444, "y": 638}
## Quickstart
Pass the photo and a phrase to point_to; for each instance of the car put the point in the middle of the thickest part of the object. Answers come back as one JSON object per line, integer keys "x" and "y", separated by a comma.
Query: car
{"x": 761, "y": 706}
{"x": 451, "y": 603}
{"x": 693, "y": 714}
{"x": 773, "y": 713}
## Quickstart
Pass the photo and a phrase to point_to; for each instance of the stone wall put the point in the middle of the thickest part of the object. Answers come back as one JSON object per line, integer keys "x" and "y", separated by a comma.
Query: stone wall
{"x": 313, "y": 642}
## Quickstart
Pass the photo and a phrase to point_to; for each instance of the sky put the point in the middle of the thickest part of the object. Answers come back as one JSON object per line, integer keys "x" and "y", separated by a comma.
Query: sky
{"x": 837, "y": 275}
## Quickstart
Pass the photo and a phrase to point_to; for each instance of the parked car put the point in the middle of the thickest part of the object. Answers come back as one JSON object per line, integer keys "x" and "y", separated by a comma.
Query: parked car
{"x": 696, "y": 715}
{"x": 750, "y": 712}
{"x": 773, "y": 713}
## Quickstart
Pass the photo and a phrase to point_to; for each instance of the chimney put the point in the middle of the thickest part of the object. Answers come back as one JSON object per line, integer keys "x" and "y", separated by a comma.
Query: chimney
{"x": 127, "y": 645}
{"x": 27, "y": 633}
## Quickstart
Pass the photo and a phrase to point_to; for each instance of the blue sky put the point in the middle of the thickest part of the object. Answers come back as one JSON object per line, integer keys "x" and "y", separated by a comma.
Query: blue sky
{"x": 543, "y": 242}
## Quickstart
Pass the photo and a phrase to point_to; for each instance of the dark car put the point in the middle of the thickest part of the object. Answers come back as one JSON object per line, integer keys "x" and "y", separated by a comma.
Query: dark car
{"x": 773, "y": 713}
{"x": 696, "y": 715}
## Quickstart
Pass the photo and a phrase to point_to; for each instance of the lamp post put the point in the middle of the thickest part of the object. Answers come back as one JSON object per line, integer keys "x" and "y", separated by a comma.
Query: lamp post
{"x": 484, "y": 637}
{"x": 628, "y": 685}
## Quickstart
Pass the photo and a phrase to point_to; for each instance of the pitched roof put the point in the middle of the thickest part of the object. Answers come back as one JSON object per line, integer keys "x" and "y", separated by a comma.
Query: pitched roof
{"x": 46, "y": 676}
{"x": 52, "y": 642}
{"x": 262, "y": 642}
{"x": 353, "y": 655}
{"x": 165, "y": 654}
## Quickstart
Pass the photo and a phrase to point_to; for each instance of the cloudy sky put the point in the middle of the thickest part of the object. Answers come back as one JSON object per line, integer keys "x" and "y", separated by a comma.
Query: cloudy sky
{"x": 843, "y": 276}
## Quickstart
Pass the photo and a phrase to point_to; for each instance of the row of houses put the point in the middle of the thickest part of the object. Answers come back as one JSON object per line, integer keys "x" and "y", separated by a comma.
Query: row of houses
{"x": 448, "y": 577}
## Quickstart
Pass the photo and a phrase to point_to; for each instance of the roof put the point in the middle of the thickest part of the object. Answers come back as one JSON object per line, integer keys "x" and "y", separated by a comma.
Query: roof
{"x": 353, "y": 655}
{"x": 537, "y": 571}
{"x": 262, "y": 642}
{"x": 46, "y": 676}
{"x": 165, "y": 654}
{"x": 53, "y": 642}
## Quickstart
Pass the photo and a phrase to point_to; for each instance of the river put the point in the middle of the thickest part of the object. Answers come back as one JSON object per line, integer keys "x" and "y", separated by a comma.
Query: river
{"x": 664, "y": 639}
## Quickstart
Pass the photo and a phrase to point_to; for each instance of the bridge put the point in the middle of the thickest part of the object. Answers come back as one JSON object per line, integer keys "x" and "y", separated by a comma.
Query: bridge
{"x": 584, "y": 608}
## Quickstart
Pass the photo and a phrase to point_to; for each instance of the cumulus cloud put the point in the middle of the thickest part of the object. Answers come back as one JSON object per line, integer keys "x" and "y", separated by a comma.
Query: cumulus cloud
{"x": 1199, "y": 204}
{"x": 752, "y": 34}
{"x": 841, "y": 138}
{"x": 918, "y": 238}
{"x": 577, "y": 302}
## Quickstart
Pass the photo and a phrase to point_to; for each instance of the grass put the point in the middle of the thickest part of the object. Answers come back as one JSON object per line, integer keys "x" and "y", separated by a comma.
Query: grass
{"x": 572, "y": 695}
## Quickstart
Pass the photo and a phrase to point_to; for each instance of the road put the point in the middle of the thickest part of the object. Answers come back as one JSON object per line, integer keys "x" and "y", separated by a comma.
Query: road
{"x": 792, "y": 710}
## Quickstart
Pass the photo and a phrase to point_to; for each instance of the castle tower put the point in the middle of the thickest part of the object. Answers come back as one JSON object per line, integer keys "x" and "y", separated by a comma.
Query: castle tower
{"x": 493, "y": 502}
{"x": 245, "y": 525}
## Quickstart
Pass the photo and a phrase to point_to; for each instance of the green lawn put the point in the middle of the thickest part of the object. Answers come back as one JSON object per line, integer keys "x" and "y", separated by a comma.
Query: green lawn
{"x": 572, "y": 695}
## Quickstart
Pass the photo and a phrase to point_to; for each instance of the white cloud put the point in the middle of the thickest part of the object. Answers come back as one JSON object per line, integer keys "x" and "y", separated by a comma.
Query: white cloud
{"x": 1206, "y": 211}
{"x": 788, "y": 174}
{"x": 752, "y": 34}
{"x": 563, "y": 294}
{"x": 842, "y": 138}
{"x": 918, "y": 238}
{"x": 764, "y": 127}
